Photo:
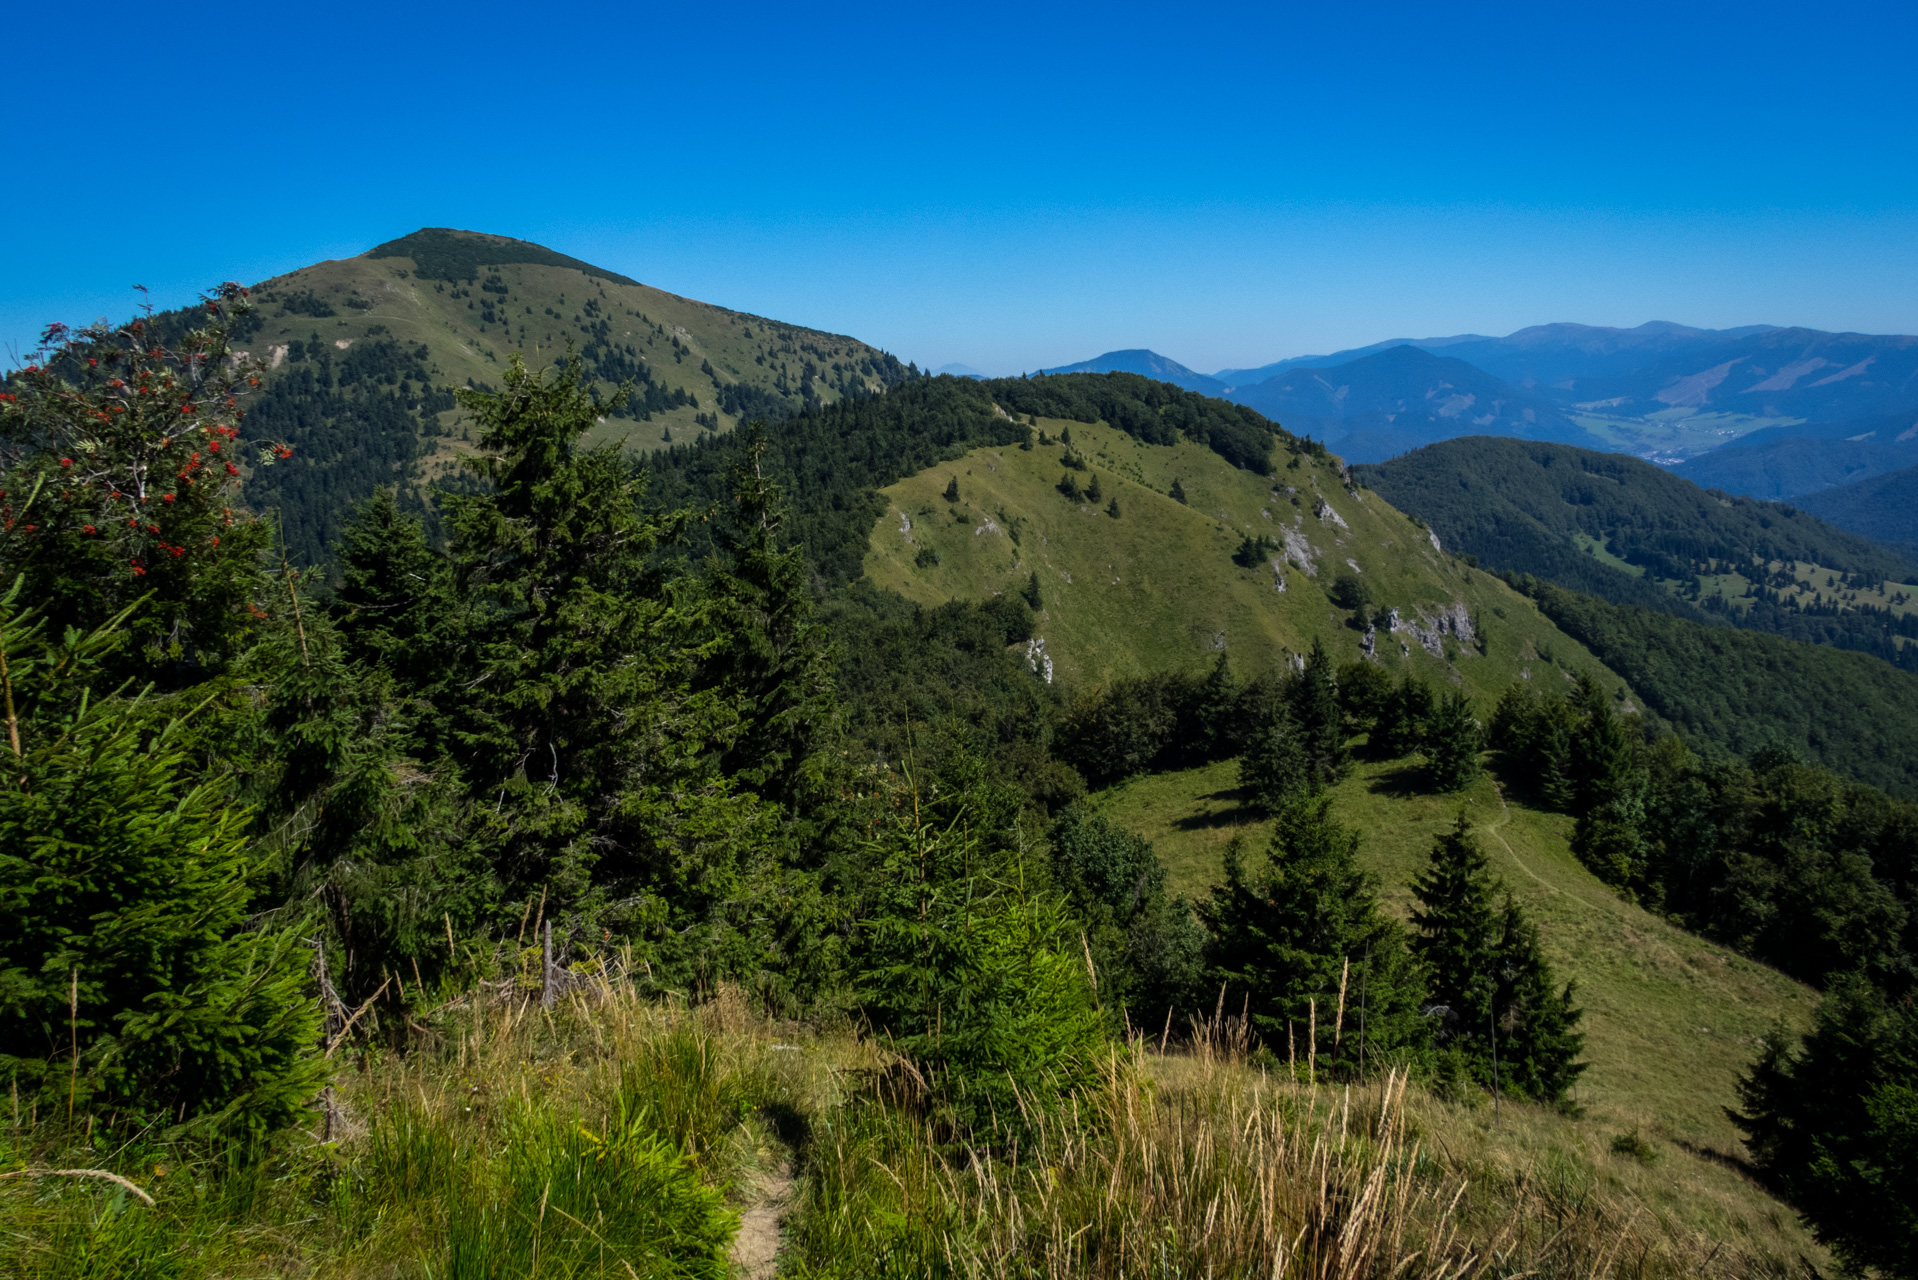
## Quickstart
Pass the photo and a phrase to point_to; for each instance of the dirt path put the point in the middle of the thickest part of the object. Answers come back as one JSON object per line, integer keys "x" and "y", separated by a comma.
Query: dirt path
{"x": 756, "y": 1247}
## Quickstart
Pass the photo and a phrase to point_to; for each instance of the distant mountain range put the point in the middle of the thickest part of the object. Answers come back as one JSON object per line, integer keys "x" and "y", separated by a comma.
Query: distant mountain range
{"x": 1663, "y": 391}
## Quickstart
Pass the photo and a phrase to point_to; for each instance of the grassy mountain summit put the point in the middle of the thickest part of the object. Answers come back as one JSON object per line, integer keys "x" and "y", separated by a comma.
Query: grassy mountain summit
{"x": 361, "y": 352}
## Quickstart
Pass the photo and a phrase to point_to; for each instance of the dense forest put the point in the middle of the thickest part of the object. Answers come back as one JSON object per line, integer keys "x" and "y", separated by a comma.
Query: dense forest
{"x": 647, "y": 722}
{"x": 1742, "y": 691}
{"x": 1524, "y": 507}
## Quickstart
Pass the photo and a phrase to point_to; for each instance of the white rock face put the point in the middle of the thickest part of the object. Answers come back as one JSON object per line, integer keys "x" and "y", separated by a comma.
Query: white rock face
{"x": 1453, "y": 620}
{"x": 1323, "y": 510}
{"x": 1299, "y": 550}
{"x": 1038, "y": 660}
{"x": 1278, "y": 575}
{"x": 1435, "y": 541}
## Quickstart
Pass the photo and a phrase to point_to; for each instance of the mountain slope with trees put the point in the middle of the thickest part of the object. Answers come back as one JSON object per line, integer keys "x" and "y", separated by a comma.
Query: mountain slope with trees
{"x": 1632, "y": 533}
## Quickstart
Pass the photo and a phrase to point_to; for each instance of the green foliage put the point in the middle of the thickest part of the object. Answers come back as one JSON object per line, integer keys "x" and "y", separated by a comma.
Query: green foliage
{"x": 1302, "y": 934}
{"x": 1146, "y": 946}
{"x": 1524, "y": 507}
{"x": 952, "y": 490}
{"x": 1451, "y": 743}
{"x": 1496, "y": 1007}
{"x": 1155, "y": 412}
{"x": 119, "y": 451}
{"x": 130, "y": 980}
{"x": 1403, "y": 717}
{"x": 1177, "y": 492}
{"x": 1276, "y": 768}
{"x": 1740, "y": 690}
{"x": 979, "y": 975}
{"x": 1349, "y": 591}
{"x": 441, "y": 253}
{"x": 542, "y": 1195}
{"x": 831, "y": 462}
{"x": 1315, "y": 705}
{"x": 1252, "y": 551}
{"x": 1833, "y": 1124}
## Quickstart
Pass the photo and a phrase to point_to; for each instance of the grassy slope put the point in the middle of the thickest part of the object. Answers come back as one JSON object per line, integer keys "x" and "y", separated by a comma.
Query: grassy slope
{"x": 1671, "y": 1019}
{"x": 1156, "y": 589}
{"x": 416, "y": 310}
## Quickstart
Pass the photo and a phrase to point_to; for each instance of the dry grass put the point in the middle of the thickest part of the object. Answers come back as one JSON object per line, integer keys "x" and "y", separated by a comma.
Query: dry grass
{"x": 1197, "y": 1164}
{"x": 616, "y": 1136}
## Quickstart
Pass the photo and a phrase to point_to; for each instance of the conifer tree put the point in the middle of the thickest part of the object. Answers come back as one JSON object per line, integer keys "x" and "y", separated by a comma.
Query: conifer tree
{"x": 580, "y": 720}
{"x": 1321, "y": 721}
{"x": 1455, "y": 937}
{"x": 1177, "y": 491}
{"x": 1403, "y": 717}
{"x": 1287, "y": 931}
{"x": 1112, "y": 508}
{"x": 1277, "y": 766}
{"x": 1603, "y": 763}
{"x": 1452, "y": 744}
{"x": 135, "y": 975}
{"x": 952, "y": 489}
{"x": 1093, "y": 493}
{"x": 1537, "y": 1023}
{"x": 1832, "y": 1124}
{"x": 395, "y": 604}
{"x": 1494, "y": 1003}
{"x": 1215, "y": 710}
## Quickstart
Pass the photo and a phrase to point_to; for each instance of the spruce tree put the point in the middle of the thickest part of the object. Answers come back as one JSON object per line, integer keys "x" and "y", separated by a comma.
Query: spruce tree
{"x": 395, "y": 604}
{"x": 1455, "y": 937}
{"x": 1286, "y": 931}
{"x": 1537, "y": 1023}
{"x": 1452, "y": 744}
{"x": 1277, "y": 766}
{"x": 591, "y": 753}
{"x": 952, "y": 489}
{"x": 1494, "y": 1002}
{"x": 1178, "y": 491}
{"x": 1093, "y": 493}
{"x": 1112, "y": 508}
{"x": 1603, "y": 762}
{"x": 1832, "y": 1123}
{"x": 138, "y": 978}
{"x": 1403, "y": 717}
{"x": 1321, "y": 721}
{"x": 1032, "y": 597}
{"x": 1215, "y": 710}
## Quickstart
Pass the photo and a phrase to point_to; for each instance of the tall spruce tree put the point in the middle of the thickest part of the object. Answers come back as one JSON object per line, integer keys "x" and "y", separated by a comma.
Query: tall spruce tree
{"x": 1402, "y": 718}
{"x": 1493, "y": 999}
{"x": 1315, "y": 705}
{"x": 1452, "y": 743}
{"x": 589, "y": 746}
{"x": 1832, "y": 1123}
{"x": 1287, "y": 931}
{"x": 1277, "y": 765}
{"x": 1214, "y": 711}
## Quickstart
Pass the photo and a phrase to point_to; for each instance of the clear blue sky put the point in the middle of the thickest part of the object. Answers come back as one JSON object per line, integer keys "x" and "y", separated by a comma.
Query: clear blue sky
{"x": 1009, "y": 186}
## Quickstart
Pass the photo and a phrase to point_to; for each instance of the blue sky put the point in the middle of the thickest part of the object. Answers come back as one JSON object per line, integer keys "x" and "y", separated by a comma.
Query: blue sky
{"x": 1008, "y": 186}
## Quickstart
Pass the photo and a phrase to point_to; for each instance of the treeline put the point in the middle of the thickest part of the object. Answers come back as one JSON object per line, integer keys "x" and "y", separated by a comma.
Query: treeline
{"x": 1801, "y": 869}
{"x": 1155, "y": 412}
{"x": 1741, "y": 691}
{"x": 1524, "y": 506}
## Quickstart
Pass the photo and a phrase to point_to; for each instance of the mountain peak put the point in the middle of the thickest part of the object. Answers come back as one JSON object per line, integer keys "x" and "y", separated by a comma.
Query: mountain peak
{"x": 1148, "y": 364}
{"x": 447, "y": 253}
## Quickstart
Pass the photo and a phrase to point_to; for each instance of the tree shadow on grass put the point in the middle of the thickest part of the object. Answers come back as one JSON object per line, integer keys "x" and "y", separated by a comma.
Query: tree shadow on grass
{"x": 1409, "y": 778}
{"x": 1240, "y": 812}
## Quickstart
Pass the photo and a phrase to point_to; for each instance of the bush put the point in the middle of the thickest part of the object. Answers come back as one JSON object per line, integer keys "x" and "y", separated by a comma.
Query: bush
{"x": 979, "y": 975}
{"x": 130, "y": 981}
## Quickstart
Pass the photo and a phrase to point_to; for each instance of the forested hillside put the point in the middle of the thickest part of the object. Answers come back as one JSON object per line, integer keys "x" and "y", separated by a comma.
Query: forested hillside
{"x": 358, "y": 358}
{"x": 501, "y": 902}
{"x": 1632, "y": 533}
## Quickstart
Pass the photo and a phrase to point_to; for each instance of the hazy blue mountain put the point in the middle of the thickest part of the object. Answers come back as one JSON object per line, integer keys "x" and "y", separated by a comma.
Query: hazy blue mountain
{"x": 1251, "y": 377}
{"x": 1404, "y": 398}
{"x": 1785, "y": 462}
{"x": 961, "y": 371}
{"x": 1883, "y": 508}
{"x": 1151, "y": 364}
{"x": 1779, "y": 373}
